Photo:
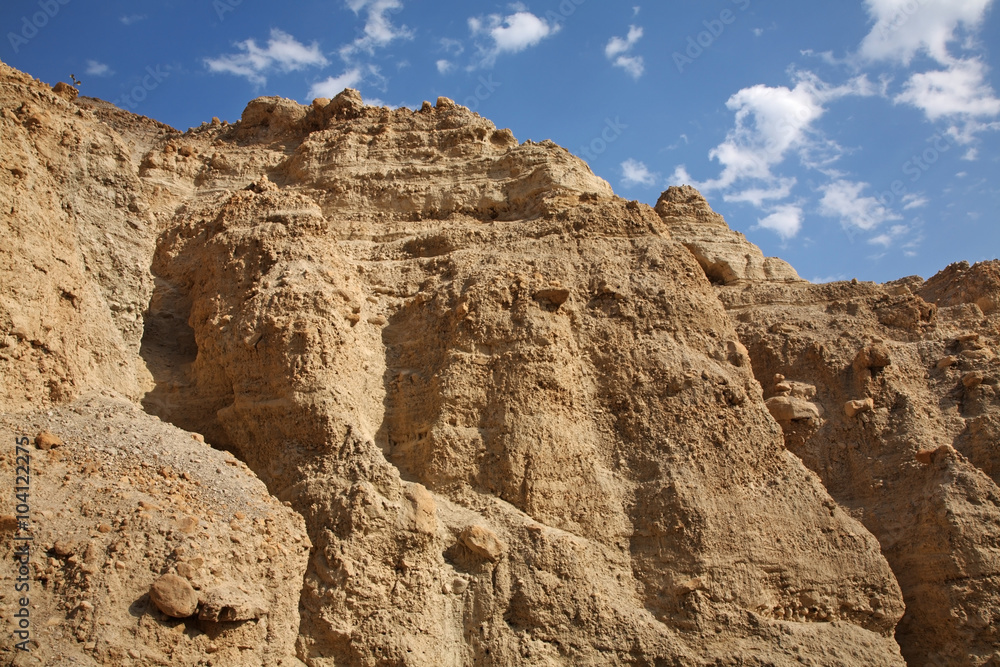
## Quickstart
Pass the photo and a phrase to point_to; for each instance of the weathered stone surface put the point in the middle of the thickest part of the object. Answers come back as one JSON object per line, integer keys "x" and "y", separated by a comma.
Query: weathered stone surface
{"x": 789, "y": 408}
{"x": 409, "y": 325}
{"x": 483, "y": 542}
{"x": 857, "y": 406}
{"x": 174, "y": 596}
{"x": 227, "y": 604}
{"x": 725, "y": 255}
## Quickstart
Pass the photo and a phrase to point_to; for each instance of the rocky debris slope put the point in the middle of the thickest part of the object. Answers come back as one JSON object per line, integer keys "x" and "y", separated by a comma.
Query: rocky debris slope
{"x": 891, "y": 394}
{"x": 513, "y": 413}
{"x": 123, "y": 500}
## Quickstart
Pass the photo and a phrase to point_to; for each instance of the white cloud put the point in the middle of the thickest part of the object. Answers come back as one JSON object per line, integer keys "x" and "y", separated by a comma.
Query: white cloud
{"x": 912, "y": 201}
{"x": 95, "y": 68}
{"x": 283, "y": 53}
{"x": 619, "y": 45}
{"x": 132, "y": 18}
{"x": 888, "y": 238}
{"x": 636, "y": 173}
{"x": 785, "y": 221}
{"x": 510, "y": 34}
{"x": 842, "y": 199}
{"x": 960, "y": 91}
{"x": 771, "y": 123}
{"x": 633, "y": 65}
{"x": 757, "y": 196}
{"x": 617, "y": 48}
{"x": 444, "y": 66}
{"x": 904, "y": 28}
{"x": 379, "y": 30}
{"x": 334, "y": 85}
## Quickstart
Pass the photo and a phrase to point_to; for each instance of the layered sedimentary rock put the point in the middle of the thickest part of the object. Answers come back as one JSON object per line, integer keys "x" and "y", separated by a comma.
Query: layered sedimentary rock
{"x": 894, "y": 390}
{"x": 510, "y": 408}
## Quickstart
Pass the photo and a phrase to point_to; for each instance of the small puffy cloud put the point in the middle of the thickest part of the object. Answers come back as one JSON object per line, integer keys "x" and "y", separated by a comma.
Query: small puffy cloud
{"x": 617, "y": 49}
{"x": 912, "y": 201}
{"x": 890, "y": 237}
{"x": 757, "y": 196}
{"x": 283, "y": 53}
{"x": 636, "y": 173}
{"x": 131, "y": 18}
{"x": 510, "y": 34}
{"x": 379, "y": 30}
{"x": 334, "y": 85}
{"x": 960, "y": 91}
{"x": 95, "y": 68}
{"x": 843, "y": 199}
{"x": 904, "y": 28}
{"x": 444, "y": 66}
{"x": 619, "y": 45}
{"x": 785, "y": 221}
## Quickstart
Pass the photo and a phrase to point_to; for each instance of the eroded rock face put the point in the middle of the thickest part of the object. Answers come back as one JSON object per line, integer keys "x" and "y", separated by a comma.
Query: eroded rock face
{"x": 908, "y": 440}
{"x": 512, "y": 416}
{"x": 725, "y": 255}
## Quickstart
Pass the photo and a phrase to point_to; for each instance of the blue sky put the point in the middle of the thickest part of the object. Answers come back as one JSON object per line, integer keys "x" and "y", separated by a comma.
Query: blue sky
{"x": 853, "y": 138}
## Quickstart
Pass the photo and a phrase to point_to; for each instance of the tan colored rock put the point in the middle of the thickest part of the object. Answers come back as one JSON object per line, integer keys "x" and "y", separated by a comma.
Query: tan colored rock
{"x": 788, "y": 408}
{"x": 48, "y": 440}
{"x": 872, "y": 357}
{"x": 227, "y": 604}
{"x": 483, "y": 542}
{"x": 972, "y": 380}
{"x": 726, "y": 257}
{"x": 174, "y": 596}
{"x": 66, "y": 91}
{"x": 947, "y": 362}
{"x": 855, "y": 407}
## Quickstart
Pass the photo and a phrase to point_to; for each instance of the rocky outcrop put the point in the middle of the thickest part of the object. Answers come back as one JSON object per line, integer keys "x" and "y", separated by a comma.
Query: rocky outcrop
{"x": 905, "y": 444}
{"x": 502, "y": 416}
{"x": 725, "y": 255}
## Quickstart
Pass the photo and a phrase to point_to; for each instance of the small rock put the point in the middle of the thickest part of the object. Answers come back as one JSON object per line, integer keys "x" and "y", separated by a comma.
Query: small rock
{"x": 483, "y": 542}
{"x": 925, "y": 456}
{"x": 552, "y": 297}
{"x": 445, "y": 103}
{"x": 874, "y": 356}
{"x": 226, "y": 604}
{"x": 972, "y": 380}
{"x": 64, "y": 548}
{"x": 947, "y": 362}
{"x": 103, "y": 528}
{"x": 854, "y": 408}
{"x": 174, "y": 596}
{"x": 788, "y": 408}
{"x": 65, "y": 91}
{"x": 377, "y": 320}
{"x": 8, "y": 523}
{"x": 47, "y": 440}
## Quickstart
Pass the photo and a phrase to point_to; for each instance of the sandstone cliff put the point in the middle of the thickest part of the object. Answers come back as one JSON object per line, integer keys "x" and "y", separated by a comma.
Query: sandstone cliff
{"x": 519, "y": 420}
